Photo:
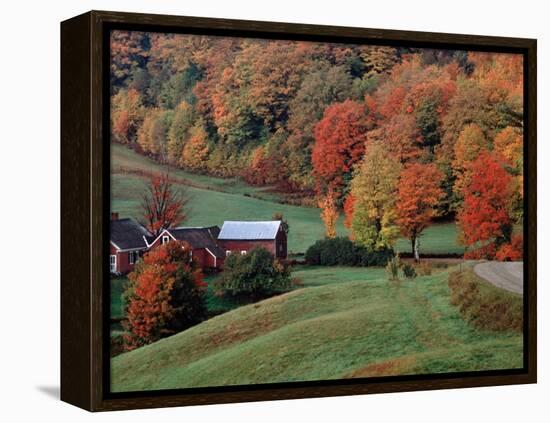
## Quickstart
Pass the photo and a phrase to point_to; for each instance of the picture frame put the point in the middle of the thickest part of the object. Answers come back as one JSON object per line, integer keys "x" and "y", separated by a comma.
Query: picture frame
{"x": 85, "y": 213}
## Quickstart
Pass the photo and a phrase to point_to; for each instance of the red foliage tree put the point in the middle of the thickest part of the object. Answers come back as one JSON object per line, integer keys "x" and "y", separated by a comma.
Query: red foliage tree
{"x": 484, "y": 219}
{"x": 512, "y": 251}
{"x": 263, "y": 169}
{"x": 393, "y": 103}
{"x": 339, "y": 143}
{"x": 166, "y": 295}
{"x": 401, "y": 136}
{"x": 418, "y": 194}
{"x": 162, "y": 206}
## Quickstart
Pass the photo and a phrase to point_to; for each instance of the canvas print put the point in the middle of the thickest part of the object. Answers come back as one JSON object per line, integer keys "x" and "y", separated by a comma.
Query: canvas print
{"x": 298, "y": 211}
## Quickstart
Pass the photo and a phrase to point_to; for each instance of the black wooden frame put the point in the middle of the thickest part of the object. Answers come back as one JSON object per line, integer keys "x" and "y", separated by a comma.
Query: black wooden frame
{"x": 85, "y": 218}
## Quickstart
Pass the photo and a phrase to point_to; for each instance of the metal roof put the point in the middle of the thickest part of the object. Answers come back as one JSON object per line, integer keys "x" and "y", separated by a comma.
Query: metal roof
{"x": 232, "y": 230}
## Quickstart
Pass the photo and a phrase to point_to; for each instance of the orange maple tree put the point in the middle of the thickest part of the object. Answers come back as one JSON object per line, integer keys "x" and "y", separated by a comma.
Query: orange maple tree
{"x": 339, "y": 143}
{"x": 418, "y": 194}
{"x": 329, "y": 213}
{"x": 484, "y": 219}
{"x": 165, "y": 295}
{"x": 349, "y": 207}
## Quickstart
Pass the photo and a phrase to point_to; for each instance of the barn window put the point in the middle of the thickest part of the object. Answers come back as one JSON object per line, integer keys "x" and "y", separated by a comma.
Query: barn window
{"x": 165, "y": 239}
{"x": 131, "y": 257}
{"x": 243, "y": 252}
{"x": 227, "y": 253}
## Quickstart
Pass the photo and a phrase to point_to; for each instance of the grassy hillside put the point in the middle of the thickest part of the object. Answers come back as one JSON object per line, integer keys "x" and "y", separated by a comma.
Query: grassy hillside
{"x": 354, "y": 323}
{"x": 214, "y": 200}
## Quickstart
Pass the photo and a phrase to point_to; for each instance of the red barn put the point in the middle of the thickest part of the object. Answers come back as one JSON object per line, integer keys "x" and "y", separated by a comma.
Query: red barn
{"x": 204, "y": 247}
{"x": 129, "y": 241}
{"x": 241, "y": 237}
{"x": 209, "y": 245}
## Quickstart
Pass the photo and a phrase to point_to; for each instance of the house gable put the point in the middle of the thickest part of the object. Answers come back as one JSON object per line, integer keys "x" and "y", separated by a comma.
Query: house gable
{"x": 127, "y": 235}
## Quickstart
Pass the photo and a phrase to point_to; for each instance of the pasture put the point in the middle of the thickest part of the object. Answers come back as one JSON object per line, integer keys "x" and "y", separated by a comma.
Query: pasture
{"x": 343, "y": 322}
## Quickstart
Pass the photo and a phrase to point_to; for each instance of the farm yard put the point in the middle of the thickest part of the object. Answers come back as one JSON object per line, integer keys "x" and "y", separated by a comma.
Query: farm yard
{"x": 213, "y": 200}
{"x": 339, "y": 322}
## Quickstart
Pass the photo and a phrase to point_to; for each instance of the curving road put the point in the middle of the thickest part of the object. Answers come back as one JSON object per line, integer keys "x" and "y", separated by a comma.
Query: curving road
{"x": 505, "y": 275}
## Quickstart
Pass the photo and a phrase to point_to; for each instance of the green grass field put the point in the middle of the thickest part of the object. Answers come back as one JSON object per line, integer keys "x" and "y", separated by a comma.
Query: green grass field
{"x": 345, "y": 322}
{"x": 214, "y": 200}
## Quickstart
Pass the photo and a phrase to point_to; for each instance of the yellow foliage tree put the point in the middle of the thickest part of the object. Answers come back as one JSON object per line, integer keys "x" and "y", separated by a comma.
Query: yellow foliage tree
{"x": 509, "y": 144}
{"x": 152, "y": 133}
{"x": 196, "y": 150}
{"x": 183, "y": 121}
{"x": 471, "y": 141}
{"x": 374, "y": 188}
{"x": 126, "y": 115}
{"x": 329, "y": 213}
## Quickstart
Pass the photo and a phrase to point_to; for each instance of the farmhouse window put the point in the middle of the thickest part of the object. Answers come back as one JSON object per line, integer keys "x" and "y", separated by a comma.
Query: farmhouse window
{"x": 112, "y": 262}
{"x": 132, "y": 257}
{"x": 243, "y": 252}
{"x": 227, "y": 253}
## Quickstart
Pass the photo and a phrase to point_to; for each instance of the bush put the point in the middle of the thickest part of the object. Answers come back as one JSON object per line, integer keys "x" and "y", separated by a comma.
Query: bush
{"x": 341, "y": 251}
{"x": 483, "y": 305}
{"x": 392, "y": 268}
{"x": 256, "y": 275}
{"x": 424, "y": 268}
{"x": 409, "y": 271}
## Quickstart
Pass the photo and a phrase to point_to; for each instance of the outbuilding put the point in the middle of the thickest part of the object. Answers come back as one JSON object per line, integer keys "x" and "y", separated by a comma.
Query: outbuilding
{"x": 242, "y": 236}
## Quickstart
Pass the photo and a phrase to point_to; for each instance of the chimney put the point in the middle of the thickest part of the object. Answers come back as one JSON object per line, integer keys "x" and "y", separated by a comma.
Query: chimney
{"x": 114, "y": 215}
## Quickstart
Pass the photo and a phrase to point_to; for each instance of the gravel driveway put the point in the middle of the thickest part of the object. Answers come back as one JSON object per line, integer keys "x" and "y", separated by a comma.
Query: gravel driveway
{"x": 505, "y": 275}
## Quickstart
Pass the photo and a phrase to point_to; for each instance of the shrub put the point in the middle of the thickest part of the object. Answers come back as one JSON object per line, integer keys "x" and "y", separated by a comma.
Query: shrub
{"x": 392, "y": 268}
{"x": 424, "y": 268}
{"x": 256, "y": 275}
{"x": 483, "y": 305}
{"x": 409, "y": 271}
{"x": 373, "y": 258}
{"x": 341, "y": 251}
{"x": 166, "y": 294}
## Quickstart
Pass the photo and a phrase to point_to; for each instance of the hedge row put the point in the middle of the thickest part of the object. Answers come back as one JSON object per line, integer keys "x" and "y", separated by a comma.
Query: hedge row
{"x": 343, "y": 252}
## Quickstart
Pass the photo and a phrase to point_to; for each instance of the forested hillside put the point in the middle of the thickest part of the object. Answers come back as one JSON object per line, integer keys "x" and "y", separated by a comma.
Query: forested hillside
{"x": 366, "y": 129}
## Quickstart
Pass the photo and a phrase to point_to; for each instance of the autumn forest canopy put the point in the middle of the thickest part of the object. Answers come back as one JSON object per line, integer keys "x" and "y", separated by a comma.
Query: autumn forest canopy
{"x": 391, "y": 137}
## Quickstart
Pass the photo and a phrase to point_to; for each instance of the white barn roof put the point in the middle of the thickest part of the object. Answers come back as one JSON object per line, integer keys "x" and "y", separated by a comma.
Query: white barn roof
{"x": 249, "y": 230}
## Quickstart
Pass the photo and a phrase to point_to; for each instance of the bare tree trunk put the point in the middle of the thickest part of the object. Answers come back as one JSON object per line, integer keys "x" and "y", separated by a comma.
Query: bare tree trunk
{"x": 416, "y": 248}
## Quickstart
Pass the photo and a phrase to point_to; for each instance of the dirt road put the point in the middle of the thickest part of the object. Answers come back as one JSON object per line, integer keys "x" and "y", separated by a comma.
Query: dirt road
{"x": 507, "y": 276}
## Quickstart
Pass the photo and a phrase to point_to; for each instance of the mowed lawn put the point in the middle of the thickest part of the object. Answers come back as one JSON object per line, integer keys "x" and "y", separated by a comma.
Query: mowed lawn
{"x": 344, "y": 322}
{"x": 213, "y": 200}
